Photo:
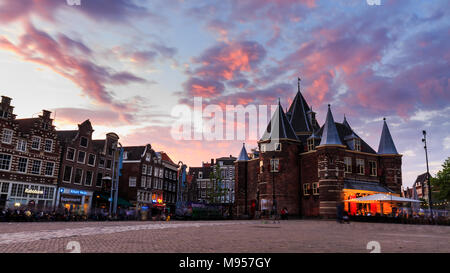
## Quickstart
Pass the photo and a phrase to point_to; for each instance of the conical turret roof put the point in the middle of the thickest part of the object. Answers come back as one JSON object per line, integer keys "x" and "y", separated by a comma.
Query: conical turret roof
{"x": 386, "y": 143}
{"x": 330, "y": 134}
{"x": 298, "y": 113}
{"x": 243, "y": 156}
{"x": 282, "y": 128}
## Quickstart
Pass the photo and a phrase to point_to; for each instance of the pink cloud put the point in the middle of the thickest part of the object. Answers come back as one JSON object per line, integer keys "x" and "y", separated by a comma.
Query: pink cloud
{"x": 58, "y": 55}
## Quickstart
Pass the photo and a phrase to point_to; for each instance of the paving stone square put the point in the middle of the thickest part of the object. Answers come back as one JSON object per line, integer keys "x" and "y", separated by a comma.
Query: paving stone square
{"x": 292, "y": 236}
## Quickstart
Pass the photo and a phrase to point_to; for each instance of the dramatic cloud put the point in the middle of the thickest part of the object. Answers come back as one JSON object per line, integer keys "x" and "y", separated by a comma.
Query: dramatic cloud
{"x": 39, "y": 47}
{"x": 112, "y": 11}
{"x": 78, "y": 115}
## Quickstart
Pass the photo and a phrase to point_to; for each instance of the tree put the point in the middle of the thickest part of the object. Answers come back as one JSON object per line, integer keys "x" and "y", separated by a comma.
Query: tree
{"x": 441, "y": 182}
{"x": 215, "y": 191}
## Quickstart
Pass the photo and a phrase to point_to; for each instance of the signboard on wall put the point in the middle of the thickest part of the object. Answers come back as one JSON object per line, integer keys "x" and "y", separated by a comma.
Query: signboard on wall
{"x": 70, "y": 199}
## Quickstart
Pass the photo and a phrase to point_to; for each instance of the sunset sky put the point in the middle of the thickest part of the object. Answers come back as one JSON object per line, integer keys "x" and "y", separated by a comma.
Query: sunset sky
{"x": 125, "y": 64}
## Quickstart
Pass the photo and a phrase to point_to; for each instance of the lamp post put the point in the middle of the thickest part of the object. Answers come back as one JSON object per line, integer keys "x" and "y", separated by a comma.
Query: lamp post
{"x": 181, "y": 189}
{"x": 274, "y": 201}
{"x": 424, "y": 140}
{"x": 105, "y": 179}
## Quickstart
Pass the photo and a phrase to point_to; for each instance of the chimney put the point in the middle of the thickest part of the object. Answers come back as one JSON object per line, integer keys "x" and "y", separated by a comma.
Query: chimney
{"x": 46, "y": 114}
{"x": 212, "y": 161}
{"x": 312, "y": 117}
{"x": 6, "y": 100}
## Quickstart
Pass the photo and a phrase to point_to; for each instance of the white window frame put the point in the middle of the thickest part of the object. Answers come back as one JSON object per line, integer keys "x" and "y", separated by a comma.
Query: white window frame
{"x": 26, "y": 164}
{"x": 373, "y": 168}
{"x": 78, "y": 157}
{"x": 358, "y": 169}
{"x": 144, "y": 169}
{"x": 87, "y": 141}
{"x": 95, "y": 158}
{"x": 81, "y": 178}
{"x": 278, "y": 147}
{"x": 143, "y": 181}
{"x": 200, "y": 175}
{"x": 357, "y": 144}
{"x": 85, "y": 177}
{"x": 263, "y": 148}
{"x": 21, "y": 145}
{"x": 348, "y": 167}
{"x": 33, "y": 142}
{"x": 71, "y": 173}
{"x": 7, "y": 133}
{"x": 10, "y": 162}
{"x": 51, "y": 145}
{"x": 74, "y": 154}
{"x": 32, "y": 166}
{"x": 315, "y": 188}
{"x": 306, "y": 189}
{"x": 132, "y": 182}
{"x": 274, "y": 165}
{"x": 53, "y": 168}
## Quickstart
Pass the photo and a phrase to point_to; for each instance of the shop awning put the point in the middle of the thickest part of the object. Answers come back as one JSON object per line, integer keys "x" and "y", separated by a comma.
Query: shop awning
{"x": 120, "y": 202}
{"x": 381, "y": 197}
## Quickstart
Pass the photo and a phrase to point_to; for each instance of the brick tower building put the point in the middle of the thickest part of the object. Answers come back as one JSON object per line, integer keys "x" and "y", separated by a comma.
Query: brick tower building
{"x": 311, "y": 169}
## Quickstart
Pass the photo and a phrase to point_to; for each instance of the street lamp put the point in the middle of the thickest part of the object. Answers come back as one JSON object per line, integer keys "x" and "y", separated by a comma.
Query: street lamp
{"x": 274, "y": 201}
{"x": 105, "y": 179}
{"x": 424, "y": 140}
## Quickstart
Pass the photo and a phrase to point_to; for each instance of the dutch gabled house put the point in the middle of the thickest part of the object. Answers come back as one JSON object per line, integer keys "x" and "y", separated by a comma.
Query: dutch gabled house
{"x": 142, "y": 180}
{"x": 209, "y": 189}
{"x": 170, "y": 184}
{"x": 29, "y": 160}
{"x": 311, "y": 169}
{"x": 85, "y": 163}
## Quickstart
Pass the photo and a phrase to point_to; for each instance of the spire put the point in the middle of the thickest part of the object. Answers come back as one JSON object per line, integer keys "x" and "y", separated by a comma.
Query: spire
{"x": 330, "y": 134}
{"x": 243, "y": 156}
{"x": 386, "y": 143}
{"x": 282, "y": 129}
{"x": 346, "y": 123}
{"x": 298, "y": 113}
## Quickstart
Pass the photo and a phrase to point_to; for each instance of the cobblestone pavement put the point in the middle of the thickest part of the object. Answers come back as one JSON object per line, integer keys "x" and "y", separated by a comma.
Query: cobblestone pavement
{"x": 221, "y": 236}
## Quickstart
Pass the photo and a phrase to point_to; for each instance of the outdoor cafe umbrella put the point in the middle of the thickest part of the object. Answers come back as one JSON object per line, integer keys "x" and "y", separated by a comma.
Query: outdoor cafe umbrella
{"x": 381, "y": 197}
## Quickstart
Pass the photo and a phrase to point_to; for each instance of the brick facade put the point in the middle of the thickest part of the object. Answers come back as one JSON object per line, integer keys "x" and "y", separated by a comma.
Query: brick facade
{"x": 29, "y": 151}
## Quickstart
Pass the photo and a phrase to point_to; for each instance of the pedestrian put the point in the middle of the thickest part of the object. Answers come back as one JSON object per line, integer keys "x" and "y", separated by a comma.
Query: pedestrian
{"x": 346, "y": 218}
{"x": 283, "y": 214}
{"x": 339, "y": 213}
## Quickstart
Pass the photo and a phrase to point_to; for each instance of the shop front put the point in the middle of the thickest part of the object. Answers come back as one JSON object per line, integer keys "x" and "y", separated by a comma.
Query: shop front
{"x": 357, "y": 189}
{"x": 75, "y": 201}
{"x": 18, "y": 195}
{"x": 158, "y": 206}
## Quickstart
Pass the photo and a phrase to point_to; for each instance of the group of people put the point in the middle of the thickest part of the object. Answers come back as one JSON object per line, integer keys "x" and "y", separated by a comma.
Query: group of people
{"x": 62, "y": 214}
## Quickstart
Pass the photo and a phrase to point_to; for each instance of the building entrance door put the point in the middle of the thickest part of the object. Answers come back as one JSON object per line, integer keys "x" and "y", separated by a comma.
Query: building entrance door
{"x": 3, "y": 198}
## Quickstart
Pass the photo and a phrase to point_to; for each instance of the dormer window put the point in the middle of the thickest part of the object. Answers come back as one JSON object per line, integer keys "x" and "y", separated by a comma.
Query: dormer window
{"x": 278, "y": 147}
{"x": 84, "y": 142}
{"x": 263, "y": 148}
{"x": 147, "y": 157}
{"x": 125, "y": 155}
{"x": 357, "y": 143}
{"x": 311, "y": 145}
{"x": 7, "y": 136}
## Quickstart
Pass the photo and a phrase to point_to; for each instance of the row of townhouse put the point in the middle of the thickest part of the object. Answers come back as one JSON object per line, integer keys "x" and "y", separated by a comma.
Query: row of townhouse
{"x": 47, "y": 169}
{"x": 213, "y": 182}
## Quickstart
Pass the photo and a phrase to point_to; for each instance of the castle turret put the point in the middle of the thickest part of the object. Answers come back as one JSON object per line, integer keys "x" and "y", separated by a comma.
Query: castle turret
{"x": 331, "y": 168}
{"x": 390, "y": 161}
